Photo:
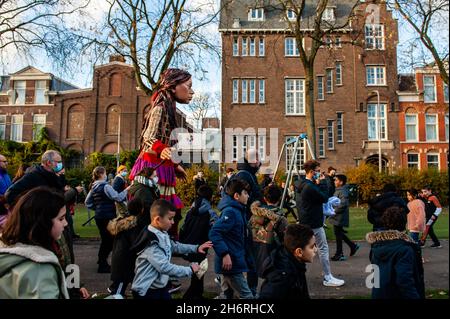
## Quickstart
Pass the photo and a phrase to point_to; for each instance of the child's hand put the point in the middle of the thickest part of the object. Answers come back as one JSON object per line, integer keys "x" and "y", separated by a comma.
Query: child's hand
{"x": 202, "y": 247}
{"x": 226, "y": 262}
{"x": 195, "y": 267}
{"x": 84, "y": 293}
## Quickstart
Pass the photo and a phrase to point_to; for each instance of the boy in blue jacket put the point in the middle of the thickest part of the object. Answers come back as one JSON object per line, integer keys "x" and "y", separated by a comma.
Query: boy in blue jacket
{"x": 154, "y": 248}
{"x": 229, "y": 235}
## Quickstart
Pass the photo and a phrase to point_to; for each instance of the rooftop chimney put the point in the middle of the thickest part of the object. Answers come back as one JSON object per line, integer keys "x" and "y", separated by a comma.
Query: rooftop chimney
{"x": 116, "y": 57}
{"x": 236, "y": 23}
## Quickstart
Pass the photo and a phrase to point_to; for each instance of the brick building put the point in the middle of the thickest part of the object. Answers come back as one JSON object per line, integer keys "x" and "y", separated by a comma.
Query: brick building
{"x": 423, "y": 120}
{"x": 263, "y": 83}
{"x": 86, "y": 120}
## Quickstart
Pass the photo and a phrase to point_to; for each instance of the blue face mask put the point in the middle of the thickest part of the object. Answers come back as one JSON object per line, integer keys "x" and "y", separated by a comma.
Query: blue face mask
{"x": 58, "y": 167}
{"x": 123, "y": 174}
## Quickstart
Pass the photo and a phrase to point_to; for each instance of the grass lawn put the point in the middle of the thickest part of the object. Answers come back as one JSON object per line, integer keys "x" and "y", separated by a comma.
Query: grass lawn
{"x": 359, "y": 226}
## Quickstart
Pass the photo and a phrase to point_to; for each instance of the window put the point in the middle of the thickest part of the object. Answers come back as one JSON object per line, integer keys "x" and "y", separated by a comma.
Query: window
{"x": 412, "y": 160}
{"x": 338, "y": 73}
{"x": 295, "y": 97}
{"x": 431, "y": 127}
{"x": 429, "y": 89}
{"x": 330, "y": 128}
{"x": 338, "y": 42}
{"x": 445, "y": 93}
{"x": 235, "y": 91}
{"x": 301, "y": 154}
{"x": 16, "y": 127}
{"x": 446, "y": 127}
{"x": 291, "y": 14}
{"x": 38, "y": 124}
{"x": 2, "y": 127}
{"x": 261, "y": 47}
{"x": 411, "y": 127}
{"x": 290, "y": 47}
{"x": 329, "y": 81}
{"x": 252, "y": 90}
{"x": 244, "y": 92}
{"x": 328, "y": 42}
{"x": 75, "y": 122}
{"x": 433, "y": 160}
{"x": 256, "y": 14}
{"x": 320, "y": 93}
{"x": 328, "y": 14}
{"x": 374, "y": 36}
{"x": 375, "y": 75}
{"x": 340, "y": 127}
{"x": 235, "y": 46}
{"x": 252, "y": 47}
{"x": 321, "y": 142}
{"x": 235, "y": 148}
{"x": 262, "y": 93}
{"x": 244, "y": 47}
{"x": 19, "y": 88}
{"x": 248, "y": 142}
{"x": 262, "y": 147}
{"x": 376, "y": 128}
{"x": 39, "y": 93}
{"x": 115, "y": 85}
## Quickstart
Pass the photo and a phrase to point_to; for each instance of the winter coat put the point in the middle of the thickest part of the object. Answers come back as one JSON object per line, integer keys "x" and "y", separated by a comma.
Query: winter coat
{"x": 284, "y": 277}
{"x": 153, "y": 268}
{"x": 37, "y": 176}
{"x": 228, "y": 236}
{"x": 30, "y": 272}
{"x": 416, "y": 216}
{"x": 312, "y": 197}
{"x": 145, "y": 190}
{"x": 342, "y": 217}
{"x": 119, "y": 183}
{"x": 248, "y": 174}
{"x": 379, "y": 204}
{"x": 102, "y": 197}
{"x": 399, "y": 260}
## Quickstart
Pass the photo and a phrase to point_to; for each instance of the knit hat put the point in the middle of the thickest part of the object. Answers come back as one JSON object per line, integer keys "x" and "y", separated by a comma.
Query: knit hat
{"x": 121, "y": 168}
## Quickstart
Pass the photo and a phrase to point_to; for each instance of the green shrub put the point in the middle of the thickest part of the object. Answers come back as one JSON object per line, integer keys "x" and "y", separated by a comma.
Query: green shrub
{"x": 186, "y": 189}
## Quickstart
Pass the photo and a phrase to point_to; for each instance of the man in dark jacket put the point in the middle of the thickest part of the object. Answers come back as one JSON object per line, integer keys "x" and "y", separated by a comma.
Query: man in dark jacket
{"x": 398, "y": 258}
{"x": 379, "y": 204}
{"x": 314, "y": 193}
{"x": 284, "y": 271}
{"x": 50, "y": 173}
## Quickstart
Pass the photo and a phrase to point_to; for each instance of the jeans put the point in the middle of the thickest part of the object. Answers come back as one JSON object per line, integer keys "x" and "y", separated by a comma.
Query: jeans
{"x": 106, "y": 243}
{"x": 322, "y": 246}
{"x": 340, "y": 236}
{"x": 414, "y": 236}
{"x": 238, "y": 283}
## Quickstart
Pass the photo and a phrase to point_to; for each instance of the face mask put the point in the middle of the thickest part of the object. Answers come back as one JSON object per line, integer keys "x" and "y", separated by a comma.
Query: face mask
{"x": 155, "y": 179}
{"x": 123, "y": 174}
{"x": 58, "y": 167}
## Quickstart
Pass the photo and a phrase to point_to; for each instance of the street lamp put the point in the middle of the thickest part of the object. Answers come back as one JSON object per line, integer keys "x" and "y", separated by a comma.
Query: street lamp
{"x": 118, "y": 139}
{"x": 379, "y": 128}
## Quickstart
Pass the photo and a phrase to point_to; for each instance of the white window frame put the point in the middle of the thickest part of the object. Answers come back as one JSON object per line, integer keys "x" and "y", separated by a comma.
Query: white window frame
{"x": 329, "y": 80}
{"x": 428, "y": 85}
{"x": 235, "y": 46}
{"x": 3, "y": 126}
{"x": 17, "y": 123}
{"x": 445, "y": 88}
{"x": 244, "y": 93}
{"x": 252, "y": 47}
{"x": 261, "y": 47}
{"x": 262, "y": 147}
{"x": 39, "y": 120}
{"x": 328, "y": 42}
{"x": 291, "y": 15}
{"x": 340, "y": 127}
{"x": 446, "y": 126}
{"x": 252, "y": 91}
{"x": 20, "y": 91}
{"x": 40, "y": 91}
{"x": 376, "y": 75}
{"x": 436, "y": 127}
{"x": 301, "y": 154}
{"x": 234, "y": 154}
{"x": 235, "y": 91}
{"x": 338, "y": 42}
{"x": 298, "y": 105}
{"x": 330, "y": 134}
{"x": 416, "y": 127}
{"x": 339, "y": 69}
{"x": 256, "y": 14}
{"x": 329, "y": 14}
{"x": 320, "y": 88}
{"x": 408, "y": 163}
{"x": 438, "y": 160}
{"x": 372, "y": 37}
{"x": 244, "y": 46}
{"x": 322, "y": 152}
{"x": 262, "y": 91}
{"x": 295, "y": 51}
{"x": 383, "y": 119}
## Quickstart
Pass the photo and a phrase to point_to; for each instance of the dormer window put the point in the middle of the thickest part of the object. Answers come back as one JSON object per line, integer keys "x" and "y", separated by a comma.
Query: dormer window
{"x": 256, "y": 14}
{"x": 328, "y": 14}
{"x": 39, "y": 93}
{"x": 19, "y": 90}
{"x": 291, "y": 15}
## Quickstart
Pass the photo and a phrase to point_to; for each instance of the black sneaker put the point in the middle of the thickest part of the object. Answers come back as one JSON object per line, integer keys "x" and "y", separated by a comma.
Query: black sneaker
{"x": 354, "y": 249}
{"x": 435, "y": 245}
{"x": 104, "y": 269}
{"x": 338, "y": 258}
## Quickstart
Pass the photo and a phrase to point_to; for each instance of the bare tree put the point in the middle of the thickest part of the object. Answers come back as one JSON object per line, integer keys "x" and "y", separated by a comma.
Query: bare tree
{"x": 315, "y": 28}
{"x": 423, "y": 17}
{"x": 200, "y": 106}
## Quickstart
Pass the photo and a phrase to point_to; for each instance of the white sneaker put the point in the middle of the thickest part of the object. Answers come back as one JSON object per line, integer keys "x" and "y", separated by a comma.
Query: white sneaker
{"x": 333, "y": 282}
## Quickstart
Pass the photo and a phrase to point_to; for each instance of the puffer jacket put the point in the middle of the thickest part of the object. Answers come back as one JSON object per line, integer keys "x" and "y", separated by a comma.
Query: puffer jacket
{"x": 30, "y": 272}
{"x": 379, "y": 204}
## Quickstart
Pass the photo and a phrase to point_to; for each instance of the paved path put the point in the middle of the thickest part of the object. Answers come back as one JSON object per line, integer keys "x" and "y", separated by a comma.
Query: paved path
{"x": 352, "y": 271}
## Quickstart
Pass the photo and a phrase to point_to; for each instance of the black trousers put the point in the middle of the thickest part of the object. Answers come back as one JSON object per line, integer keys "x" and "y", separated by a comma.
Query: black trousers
{"x": 341, "y": 236}
{"x": 431, "y": 232}
{"x": 107, "y": 240}
{"x": 195, "y": 290}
